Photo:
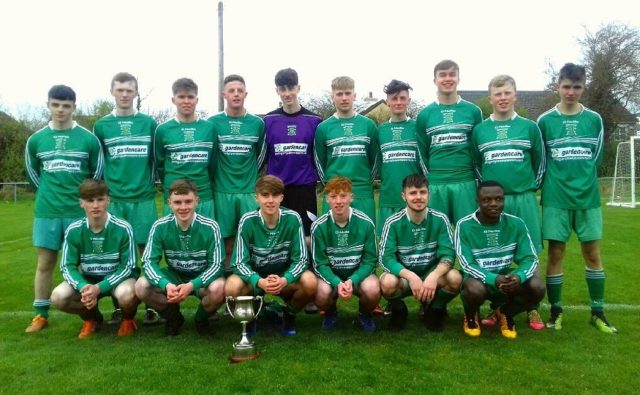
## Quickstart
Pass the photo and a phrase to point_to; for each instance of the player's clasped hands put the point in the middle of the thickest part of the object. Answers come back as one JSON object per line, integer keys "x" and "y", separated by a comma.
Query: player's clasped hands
{"x": 345, "y": 289}
{"x": 89, "y": 296}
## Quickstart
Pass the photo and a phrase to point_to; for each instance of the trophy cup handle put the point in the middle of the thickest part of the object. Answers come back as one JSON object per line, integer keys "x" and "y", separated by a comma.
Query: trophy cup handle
{"x": 261, "y": 299}
{"x": 230, "y": 300}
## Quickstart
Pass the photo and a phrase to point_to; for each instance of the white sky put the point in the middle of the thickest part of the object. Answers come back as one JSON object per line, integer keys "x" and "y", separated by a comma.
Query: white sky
{"x": 83, "y": 43}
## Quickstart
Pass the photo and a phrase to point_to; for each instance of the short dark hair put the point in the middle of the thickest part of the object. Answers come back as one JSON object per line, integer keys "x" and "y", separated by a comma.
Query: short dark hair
{"x": 124, "y": 77}
{"x": 416, "y": 180}
{"x": 184, "y": 84}
{"x": 233, "y": 77}
{"x": 91, "y": 189}
{"x": 269, "y": 184}
{"x": 183, "y": 187}
{"x": 489, "y": 184}
{"x": 572, "y": 72}
{"x": 396, "y": 86}
{"x": 286, "y": 77}
{"x": 61, "y": 92}
{"x": 445, "y": 65}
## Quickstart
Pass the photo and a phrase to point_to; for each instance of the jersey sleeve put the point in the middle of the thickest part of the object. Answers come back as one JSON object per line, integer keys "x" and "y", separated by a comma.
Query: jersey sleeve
{"x": 387, "y": 258}
{"x": 96, "y": 158}
{"x": 261, "y": 148}
{"x": 538, "y": 154}
{"x": 32, "y": 163}
{"x": 599, "y": 145}
{"x": 423, "y": 144}
{"x": 525, "y": 255}
{"x": 70, "y": 260}
{"x": 151, "y": 259}
{"x": 372, "y": 151}
{"x": 476, "y": 155}
{"x": 159, "y": 154}
{"x": 215, "y": 259}
{"x": 127, "y": 263}
{"x": 369, "y": 258}
{"x": 321, "y": 263}
{"x": 320, "y": 152}
{"x": 242, "y": 255}
{"x": 445, "y": 251}
{"x": 298, "y": 256}
{"x": 467, "y": 261}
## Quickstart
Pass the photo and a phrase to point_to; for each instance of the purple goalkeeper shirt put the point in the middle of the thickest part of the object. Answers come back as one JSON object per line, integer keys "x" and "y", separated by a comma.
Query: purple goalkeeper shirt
{"x": 289, "y": 139}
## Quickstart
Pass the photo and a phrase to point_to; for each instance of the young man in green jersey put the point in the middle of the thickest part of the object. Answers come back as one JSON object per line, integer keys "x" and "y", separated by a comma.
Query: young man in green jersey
{"x": 443, "y": 130}
{"x": 58, "y": 158}
{"x": 126, "y": 137}
{"x": 343, "y": 244}
{"x": 397, "y": 151}
{"x": 240, "y": 154}
{"x": 509, "y": 149}
{"x": 345, "y": 145}
{"x": 98, "y": 259}
{"x": 270, "y": 254}
{"x": 416, "y": 252}
{"x": 192, "y": 248}
{"x": 184, "y": 147}
{"x": 573, "y": 136}
{"x": 488, "y": 243}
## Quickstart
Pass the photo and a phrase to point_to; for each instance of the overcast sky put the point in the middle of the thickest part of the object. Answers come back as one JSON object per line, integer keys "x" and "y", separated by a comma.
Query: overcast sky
{"x": 83, "y": 43}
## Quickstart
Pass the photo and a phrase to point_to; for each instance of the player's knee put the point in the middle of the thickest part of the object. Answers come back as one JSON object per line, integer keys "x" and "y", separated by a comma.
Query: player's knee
{"x": 370, "y": 287}
{"x": 474, "y": 290}
{"x": 126, "y": 295}
{"x": 309, "y": 282}
{"x": 216, "y": 290}
{"x": 61, "y": 296}
{"x": 142, "y": 288}
{"x": 454, "y": 280}
{"x": 389, "y": 284}
{"x": 324, "y": 294}
{"x": 536, "y": 288}
{"x": 233, "y": 286}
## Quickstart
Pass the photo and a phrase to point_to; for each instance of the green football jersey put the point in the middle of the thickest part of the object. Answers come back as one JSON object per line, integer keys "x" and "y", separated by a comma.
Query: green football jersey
{"x": 398, "y": 158}
{"x": 343, "y": 253}
{"x": 443, "y": 133}
{"x": 241, "y": 151}
{"x": 486, "y": 251}
{"x": 127, "y": 144}
{"x": 510, "y": 152}
{"x": 574, "y": 151}
{"x": 57, "y": 162}
{"x": 106, "y": 258}
{"x": 347, "y": 147}
{"x": 416, "y": 247}
{"x": 260, "y": 251}
{"x": 196, "y": 253}
{"x": 185, "y": 151}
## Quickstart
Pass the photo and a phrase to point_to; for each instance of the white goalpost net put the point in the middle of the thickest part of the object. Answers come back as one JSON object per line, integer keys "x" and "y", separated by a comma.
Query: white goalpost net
{"x": 625, "y": 188}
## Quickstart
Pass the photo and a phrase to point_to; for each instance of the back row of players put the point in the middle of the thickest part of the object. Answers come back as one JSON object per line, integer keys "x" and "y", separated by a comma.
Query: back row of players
{"x": 449, "y": 143}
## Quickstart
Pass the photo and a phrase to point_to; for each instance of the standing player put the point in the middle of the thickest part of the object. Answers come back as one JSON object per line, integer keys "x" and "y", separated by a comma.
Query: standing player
{"x": 345, "y": 145}
{"x": 442, "y": 131}
{"x": 98, "y": 259}
{"x": 397, "y": 151}
{"x": 570, "y": 196}
{"x": 184, "y": 147}
{"x": 58, "y": 158}
{"x": 192, "y": 249}
{"x": 126, "y": 136}
{"x": 241, "y": 152}
{"x": 416, "y": 252}
{"x": 488, "y": 242}
{"x": 508, "y": 149}
{"x": 343, "y": 244}
{"x": 270, "y": 254}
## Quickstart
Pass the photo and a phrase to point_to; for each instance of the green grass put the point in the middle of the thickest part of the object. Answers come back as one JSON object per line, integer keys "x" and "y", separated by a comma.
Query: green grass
{"x": 577, "y": 359}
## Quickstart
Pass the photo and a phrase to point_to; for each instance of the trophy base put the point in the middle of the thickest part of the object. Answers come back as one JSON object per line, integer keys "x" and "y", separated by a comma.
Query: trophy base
{"x": 242, "y": 358}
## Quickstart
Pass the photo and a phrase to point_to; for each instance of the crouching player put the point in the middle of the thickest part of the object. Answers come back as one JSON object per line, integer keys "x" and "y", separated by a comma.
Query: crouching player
{"x": 270, "y": 254}
{"x": 98, "y": 259}
{"x": 192, "y": 248}
{"x": 488, "y": 242}
{"x": 416, "y": 252}
{"x": 343, "y": 244}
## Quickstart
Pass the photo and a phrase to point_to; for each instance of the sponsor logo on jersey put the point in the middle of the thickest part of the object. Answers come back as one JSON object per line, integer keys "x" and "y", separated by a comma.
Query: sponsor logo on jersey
{"x": 350, "y": 150}
{"x": 58, "y": 165}
{"x": 495, "y": 263}
{"x": 99, "y": 269}
{"x": 345, "y": 262}
{"x": 571, "y": 153}
{"x": 128, "y": 150}
{"x": 417, "y": 259}
{"x": 506, "y": 155}
{"x": 399, "y": 156}
{"x": 448, "y": 138}
{"x": 187, "y": 265}
{"x": 290, "y": 148}
{"x": 189, "y": 156}
{"x": 271, "y": 259}
{"x": 235, "y": 149}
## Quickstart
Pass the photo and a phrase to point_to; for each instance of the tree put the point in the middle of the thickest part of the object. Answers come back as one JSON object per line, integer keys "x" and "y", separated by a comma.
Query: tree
{"x": 321, "y": 105}
{"x": 99, "y": 109}
{"x": 13, "y": 138}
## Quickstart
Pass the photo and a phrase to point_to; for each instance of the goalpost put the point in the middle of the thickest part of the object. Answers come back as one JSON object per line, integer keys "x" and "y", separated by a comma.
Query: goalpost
{"x": 624, "y": 188}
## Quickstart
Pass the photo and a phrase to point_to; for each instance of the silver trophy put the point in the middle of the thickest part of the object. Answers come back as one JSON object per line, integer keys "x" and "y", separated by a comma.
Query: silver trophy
{"x": 243, "y": 309}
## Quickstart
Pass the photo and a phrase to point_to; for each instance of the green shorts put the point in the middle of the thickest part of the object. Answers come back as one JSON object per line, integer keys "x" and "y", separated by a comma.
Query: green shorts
{"x": 49, "y": 232}
{"x": 453, "y": 200}
{"x": 525, "y": 205}
{"x": 366, "y": 205}
{"x": 383, "y": 214}
{"x": 140, "y": 215}
{"x": 232, "y": 206}
{"x": 204, "y": 208}
{"x": 557, "y": 224}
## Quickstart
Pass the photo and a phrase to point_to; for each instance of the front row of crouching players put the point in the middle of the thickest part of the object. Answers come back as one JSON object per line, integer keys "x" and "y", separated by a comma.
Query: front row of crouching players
{"x": 193, "y": 251}
{"x": 488, "y": 243}
{"x": 270, "y": 254}
{"x": 417, "y": 254}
